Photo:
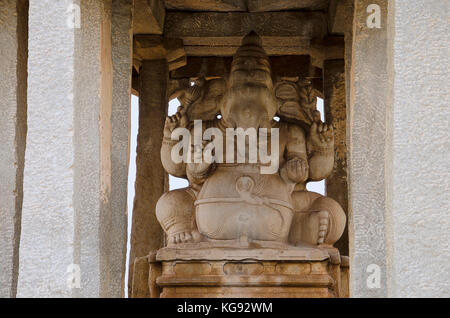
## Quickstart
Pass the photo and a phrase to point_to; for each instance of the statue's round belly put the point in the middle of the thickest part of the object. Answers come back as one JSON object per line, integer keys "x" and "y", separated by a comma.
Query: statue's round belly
{"x": 238, "y": 201}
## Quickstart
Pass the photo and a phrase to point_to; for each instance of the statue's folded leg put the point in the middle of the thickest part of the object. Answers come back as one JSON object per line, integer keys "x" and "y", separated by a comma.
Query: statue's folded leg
{"x": 175, "y": 212}
{"x": 317, "y": 220}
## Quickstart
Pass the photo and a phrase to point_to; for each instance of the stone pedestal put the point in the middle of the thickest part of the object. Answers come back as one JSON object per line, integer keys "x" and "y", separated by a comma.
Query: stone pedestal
{"x": 206, "y": 270}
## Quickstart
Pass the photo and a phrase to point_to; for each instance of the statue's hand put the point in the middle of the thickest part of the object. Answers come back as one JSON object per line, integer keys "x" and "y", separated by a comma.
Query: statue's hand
{"x": 198, "y": 167}
{"x": 297, "y": 170}
{"x": 320, "y": 137}
{"x": 179, "y": 120}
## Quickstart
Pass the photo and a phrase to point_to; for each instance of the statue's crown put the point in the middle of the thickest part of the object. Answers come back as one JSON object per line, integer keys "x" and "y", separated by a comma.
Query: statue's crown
{"x": 251, "y": 47}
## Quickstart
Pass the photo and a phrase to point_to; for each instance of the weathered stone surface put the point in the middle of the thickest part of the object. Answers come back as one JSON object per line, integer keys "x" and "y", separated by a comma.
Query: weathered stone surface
{"x": 218, "y": 33}
{"x": 101, "y": 145}
{"x": 206, "y": 5}
{"x": 148, "y": 17}
{"x": 73, "y": 217}
{"x": 140, "y": 283}
{"x": 237, "y": 24}
{"x": 46, "y": 246}
{"x": 151, "y": 179}
{"x": 13, "y": 123}
{"x": 336, "y": 114}
{"x": 368, "y": 152}
{"x": 420, "y": 149}
{"x": 276, "y": 5}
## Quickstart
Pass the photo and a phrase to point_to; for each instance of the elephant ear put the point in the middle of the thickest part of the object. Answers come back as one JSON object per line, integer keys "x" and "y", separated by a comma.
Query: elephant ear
{"x": 296, "y": 101}
{"x": 202, "y": 99}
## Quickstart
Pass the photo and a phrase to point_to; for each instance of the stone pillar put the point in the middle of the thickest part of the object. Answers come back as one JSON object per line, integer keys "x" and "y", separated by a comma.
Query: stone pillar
{"x": 336, "y": 114}
{"x": 369, "y": 156}
{"x": 419, "y": 217}
{"x": 151, "y": 178}
{"x": 46, "y": 247}
{"x": 122, "y": 62}
{"x": 74, "y": 211}
{"x": 13, "y": 123}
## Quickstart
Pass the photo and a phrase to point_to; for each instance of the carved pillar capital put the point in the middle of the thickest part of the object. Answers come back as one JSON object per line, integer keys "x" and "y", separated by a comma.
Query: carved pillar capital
{"x": 156, "y": 47}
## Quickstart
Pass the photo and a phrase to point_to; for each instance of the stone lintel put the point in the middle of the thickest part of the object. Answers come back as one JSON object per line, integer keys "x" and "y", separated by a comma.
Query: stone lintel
{"x": 214, "y": 67}
{"x": 276, "y": 5}
{"x": 296, "y": 47}
{"x": 329, "y": 48}
{"x": 148, "y": 17}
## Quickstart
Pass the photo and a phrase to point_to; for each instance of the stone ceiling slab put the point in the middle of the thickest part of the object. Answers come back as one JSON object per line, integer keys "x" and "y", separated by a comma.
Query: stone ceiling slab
{"x": 207, "y": 5}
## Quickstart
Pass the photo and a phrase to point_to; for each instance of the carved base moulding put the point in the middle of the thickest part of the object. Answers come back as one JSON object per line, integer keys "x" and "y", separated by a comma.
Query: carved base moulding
{"x": 209, "y": 270}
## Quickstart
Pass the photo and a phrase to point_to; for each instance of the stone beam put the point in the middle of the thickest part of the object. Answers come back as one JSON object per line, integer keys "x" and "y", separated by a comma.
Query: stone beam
{"x": 154, "y": 47}
{"x": 340, "y": 16}
{"x": 148, "y": 17}
{"x": 208, "y": 67}
{"x": 293, "y": 66}
{"x": 206, "y": 5}
{"x": 330, "y": 48}
{"x": 213, "y": 67}
{"x": 276, "y": 5}
{"x": 13, "y": 123}
{"x": 300, "y": 47}
{"x": 217, "y": 33}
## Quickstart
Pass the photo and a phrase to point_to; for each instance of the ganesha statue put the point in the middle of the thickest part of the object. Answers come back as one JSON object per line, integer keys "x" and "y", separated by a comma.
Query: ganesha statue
{"x": 238, "y": 195}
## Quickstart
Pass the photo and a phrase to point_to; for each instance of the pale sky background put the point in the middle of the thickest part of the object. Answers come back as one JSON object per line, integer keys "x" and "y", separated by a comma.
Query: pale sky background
{"x": 174, "y": 183}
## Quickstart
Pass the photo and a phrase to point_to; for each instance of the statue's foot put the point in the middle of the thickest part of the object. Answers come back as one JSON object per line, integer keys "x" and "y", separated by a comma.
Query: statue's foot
{"x": 324, "y": 221}
{"x": 185, "y": 237}
{"x": 323, "y": 225}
